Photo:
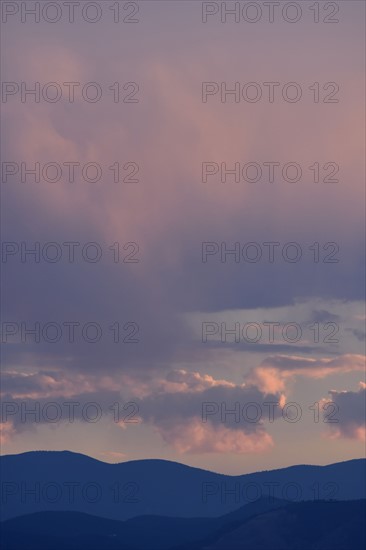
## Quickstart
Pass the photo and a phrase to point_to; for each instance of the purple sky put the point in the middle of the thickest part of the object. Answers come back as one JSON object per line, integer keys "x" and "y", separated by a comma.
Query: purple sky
{"x": 170, "y": 300}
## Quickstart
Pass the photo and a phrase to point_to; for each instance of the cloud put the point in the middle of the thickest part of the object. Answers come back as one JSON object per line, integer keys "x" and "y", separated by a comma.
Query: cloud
{"x": 44, "y": 384}
{"x": 169, "y": 133}
{"x": 201, "y": 414}
{"x": 192, "y": 412}
{"x": 359, "y": 334}
{"x": 276, "y": 371}
{"x": 195, "y": 437}
{"x": 323, "y": 316}
{"x": 7, "y": 432}
{"x": 184, "y": 381}
{"x": 114, "y": 456}
{"x": 349, "y": 414}
{"x": 64, "y": 384}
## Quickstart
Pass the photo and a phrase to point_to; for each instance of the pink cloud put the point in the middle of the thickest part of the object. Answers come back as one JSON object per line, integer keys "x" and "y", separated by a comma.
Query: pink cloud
{"x": 113, "y": 456}
{"x": 7, "y": 432}
{"x": 195, "y": 437}
{"x": 276, "y": 371}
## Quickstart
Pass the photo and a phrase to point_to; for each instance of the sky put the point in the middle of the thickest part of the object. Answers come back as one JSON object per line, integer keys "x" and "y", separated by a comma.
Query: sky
{"x": 196, "y": 213}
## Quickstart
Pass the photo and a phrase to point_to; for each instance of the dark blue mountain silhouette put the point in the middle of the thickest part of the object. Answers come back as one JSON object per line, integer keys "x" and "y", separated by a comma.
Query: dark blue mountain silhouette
{"x": 64, "y": 481}
{"x": 267, "y": 524}
{"x": 141, "y": 532}
{"x": 298, "y": 526}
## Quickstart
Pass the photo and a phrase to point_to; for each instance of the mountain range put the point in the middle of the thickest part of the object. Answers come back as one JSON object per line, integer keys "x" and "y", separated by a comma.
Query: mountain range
{"x": 68, "y": 501}
{"x": 267, "y": 524}
{"x": 41, "y": 481}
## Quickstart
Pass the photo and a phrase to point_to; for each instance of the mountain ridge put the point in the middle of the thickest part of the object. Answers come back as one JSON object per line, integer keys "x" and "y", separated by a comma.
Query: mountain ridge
{"x": 40, "y": 481}
{"x": 263, "y": 525}
{"x": 162, "y": 460}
